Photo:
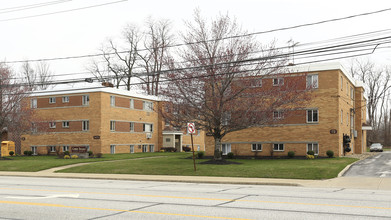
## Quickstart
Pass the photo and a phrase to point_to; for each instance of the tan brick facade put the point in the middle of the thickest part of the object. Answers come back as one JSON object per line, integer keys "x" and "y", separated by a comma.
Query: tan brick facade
{"x": 337, "y": 100}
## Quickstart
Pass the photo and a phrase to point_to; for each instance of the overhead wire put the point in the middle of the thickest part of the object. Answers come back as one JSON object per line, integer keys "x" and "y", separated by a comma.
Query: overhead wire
{"x": 27, "y": 7}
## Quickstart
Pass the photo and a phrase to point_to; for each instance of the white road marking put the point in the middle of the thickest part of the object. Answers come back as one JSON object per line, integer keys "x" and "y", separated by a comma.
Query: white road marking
{"x": 45, "y": 197}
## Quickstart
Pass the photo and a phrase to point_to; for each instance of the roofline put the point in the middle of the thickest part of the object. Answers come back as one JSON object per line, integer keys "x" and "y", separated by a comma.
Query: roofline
{"x": 93, "y": 90}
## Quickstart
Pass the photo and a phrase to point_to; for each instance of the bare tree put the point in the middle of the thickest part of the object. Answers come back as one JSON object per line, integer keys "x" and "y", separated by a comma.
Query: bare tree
{"x": 212, "y": 83}
{"x": 377, "y": 86}
{"x": 43, "y": 74}
{"x": 28, "y": 74}
{"x": 157, "y": 40}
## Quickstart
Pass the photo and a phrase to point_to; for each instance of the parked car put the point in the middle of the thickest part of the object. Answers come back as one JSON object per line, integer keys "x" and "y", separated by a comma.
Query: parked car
{"x": 376, "y": 147}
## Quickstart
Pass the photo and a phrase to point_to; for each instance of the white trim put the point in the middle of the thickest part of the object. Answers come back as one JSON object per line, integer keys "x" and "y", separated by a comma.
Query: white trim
{"x": 312, "y": 145}
{"x": 283, "y": 147}
{"x": 367, "y": 128}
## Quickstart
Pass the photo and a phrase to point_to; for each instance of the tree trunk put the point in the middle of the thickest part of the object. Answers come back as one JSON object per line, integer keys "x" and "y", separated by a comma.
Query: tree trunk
{"x": 218, "y": 152}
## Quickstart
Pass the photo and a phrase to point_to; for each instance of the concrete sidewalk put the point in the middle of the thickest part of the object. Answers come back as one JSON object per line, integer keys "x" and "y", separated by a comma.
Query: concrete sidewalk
{"x": 339, "y": 182}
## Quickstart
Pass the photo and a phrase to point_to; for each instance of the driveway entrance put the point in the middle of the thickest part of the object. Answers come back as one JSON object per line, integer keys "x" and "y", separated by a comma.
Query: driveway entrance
{"x": 377, "y": 166}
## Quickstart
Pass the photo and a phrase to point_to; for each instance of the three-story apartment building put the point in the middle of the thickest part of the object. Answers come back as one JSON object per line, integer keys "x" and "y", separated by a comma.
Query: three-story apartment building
{"x": 337, "y": 108}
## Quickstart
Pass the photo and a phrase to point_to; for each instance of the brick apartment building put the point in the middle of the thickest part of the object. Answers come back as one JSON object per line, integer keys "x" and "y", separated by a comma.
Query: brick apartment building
{"x": 337, "y": 108}
{"x": 105, "y": 120}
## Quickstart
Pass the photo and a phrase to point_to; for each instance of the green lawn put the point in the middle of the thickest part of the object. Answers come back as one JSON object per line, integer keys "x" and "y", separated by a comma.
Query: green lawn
{"x": 37, "y": 163}
{"x": 178, "y": 165}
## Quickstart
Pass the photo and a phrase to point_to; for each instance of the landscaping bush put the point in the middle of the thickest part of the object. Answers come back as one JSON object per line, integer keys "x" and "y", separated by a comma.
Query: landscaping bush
{"x": 310, "y": 152}
{"x": 90, "y": 153}
{"x": 99, "y": 155}
{"x": 310, "y": 156}
{"x": 75, "y": 156}
{"x": 186, "y": 149}
{"x": 67, "y": 157}
{"x": 29, "y": 153}
{"x": 66, "y": 153}
{"x": 291, "y": 154}
{"x": 230, "y": 155}
{"x": 25, "y": 152}
{"x": 11, "y": 153}
{"x": 200, "y": 154}
{"x": 60, "y": 155}
{"x": 330, "y": 153}
{"x": 169, "y": 149}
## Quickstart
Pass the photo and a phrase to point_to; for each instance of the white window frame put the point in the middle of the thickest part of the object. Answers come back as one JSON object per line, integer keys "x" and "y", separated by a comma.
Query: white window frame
{"x": 145, "y": 127}
{"x": 144, "y": 148}
{"x": 131, "y": 126}
{"x": 65, "y": 99}
{"x": 147, "y": 106}
{"x": 312, "y": 115}
{"x": 347, "y": 119}
{"x": 131, "y": 103}
{"x": 85, "y": 100}
{"x": 151, "y": 148}
{"x": 312, "y": 145}
{"x": 52, "y": 149}
{"x": 52, "y": 100}
{"x": 112, "y": 101}
{"x": 65, "y": 124}
{"x": 351, "y": 93}
{"x": 34, "y": 128}
{"x": 65, "y": 148}
{"x": 256, "y": 147}
{"x": 112, "y": 125}
{"x": 34, "y": 149}
{"x": 225, "y": 148}
{"x": 131, "y": 148}
{"x": 278, "y": 81}
{"x": 112, "y": 149}
{"x": 52, "y": 124}
{"x": 278, "y": 115}
{"x": 85, "y": 126}
{"x": 279, "y": 146}
{"x": 34, "y": 103}
{"x": 312, "y": 81}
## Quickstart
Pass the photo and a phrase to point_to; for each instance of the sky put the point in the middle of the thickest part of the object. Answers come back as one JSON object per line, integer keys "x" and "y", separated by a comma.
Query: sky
{"x": 26, "y": 36}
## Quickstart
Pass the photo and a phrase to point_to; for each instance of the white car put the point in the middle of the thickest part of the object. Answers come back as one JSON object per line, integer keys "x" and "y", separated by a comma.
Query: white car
{"x": 376, "y": 147}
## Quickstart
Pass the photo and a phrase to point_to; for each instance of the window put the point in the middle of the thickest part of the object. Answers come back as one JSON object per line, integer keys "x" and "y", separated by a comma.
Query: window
{"x": 52, "y": 124}
{"x": 34, "y": 150}
{"x": 147, "y": 127}
{"x": 256, "y": 83}
{"x": 131, "y": 149}
{"x": 256, "y": 147}
{"x": 278, "y": 147}
{"x": 65, "y": 124}
{"x": 85, "y": 100}
{"x": 131, "y": 126}
{"x": 85, "y": 125}
{"x": 341, "y": 83}
{"x": 341, "y": 116}
{"x": 226, "y": 117}
{"x": 351, "y": 121}
{"x": 65, "y": 148}
{"x": 65, "y": 99}
{"x": 278, "y": 81}
{"x": 33, "y": 103}
{"x": 151, "y": 148}
{"x": 131, "y": 104}
{"x": 313, "y": 147}
{"x": 166, "y": 122}
{"x": 112, "y": 125}
{"x": 277, "y": 115}
{"x": 198, "y": 147}
{"x": 52, "y": 149}
{"x": 34, "y": 128}
{"x": 112, "y": 100}
{"x": 351, "y": 93}
{"x": 112, "y": 149}
{"x": 347, "y": 118}
{"x": 312, "y": 116}
{"x": 168, "y": 139}
{"x": 148, "y": 106}
{"x": 312, "y": 81}
{"x": 52, "y": 100}
{"x": 226, "y": 148}
{"x": 145, "y": 148}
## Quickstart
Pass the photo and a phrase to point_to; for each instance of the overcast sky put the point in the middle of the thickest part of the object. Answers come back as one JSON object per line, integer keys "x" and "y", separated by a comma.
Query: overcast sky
{"x": 82, "y": 32}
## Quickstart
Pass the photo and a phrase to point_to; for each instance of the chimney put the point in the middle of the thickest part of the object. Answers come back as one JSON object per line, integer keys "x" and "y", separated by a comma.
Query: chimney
{"x": 107, "y": 84}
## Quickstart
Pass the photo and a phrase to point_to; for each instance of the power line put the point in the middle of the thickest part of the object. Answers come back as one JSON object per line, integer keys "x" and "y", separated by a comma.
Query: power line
{"x": 210, "y": 40}
{"x": 64, "y": 11}
{"x": 27, "y": 7}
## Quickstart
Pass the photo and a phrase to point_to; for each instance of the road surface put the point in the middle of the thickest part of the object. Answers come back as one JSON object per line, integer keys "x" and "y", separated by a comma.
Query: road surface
{"x": 377, "y": 166}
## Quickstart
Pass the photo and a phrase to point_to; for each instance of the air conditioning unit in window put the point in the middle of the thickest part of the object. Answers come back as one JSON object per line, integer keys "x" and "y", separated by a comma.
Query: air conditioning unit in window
{"x": 149, "y": 135}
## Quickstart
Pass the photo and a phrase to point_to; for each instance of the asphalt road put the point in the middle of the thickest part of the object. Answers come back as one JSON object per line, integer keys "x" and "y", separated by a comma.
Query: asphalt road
{"x": 52, "y": 198}
{"x": 377, "y": 166}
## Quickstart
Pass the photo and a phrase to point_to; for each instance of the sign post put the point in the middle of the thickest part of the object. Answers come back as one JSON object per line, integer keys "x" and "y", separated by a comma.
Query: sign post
{"x": 191, "y": 130}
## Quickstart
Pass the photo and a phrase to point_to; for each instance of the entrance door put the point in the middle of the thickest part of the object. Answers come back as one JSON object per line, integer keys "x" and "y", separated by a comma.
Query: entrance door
{"x": 178, "y": 143}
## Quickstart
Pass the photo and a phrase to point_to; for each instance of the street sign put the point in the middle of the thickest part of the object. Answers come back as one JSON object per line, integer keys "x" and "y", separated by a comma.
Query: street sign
{"x": 191, "y": 128}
